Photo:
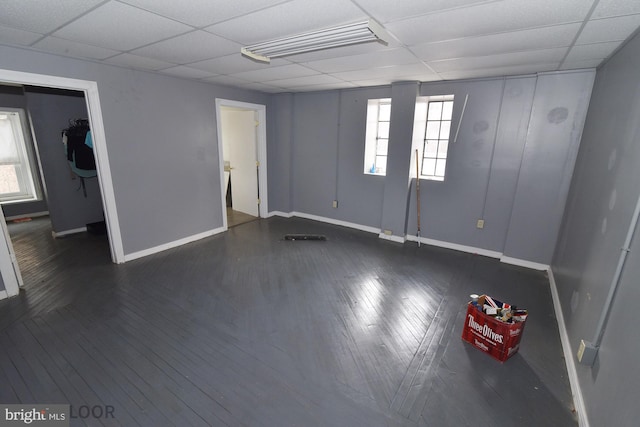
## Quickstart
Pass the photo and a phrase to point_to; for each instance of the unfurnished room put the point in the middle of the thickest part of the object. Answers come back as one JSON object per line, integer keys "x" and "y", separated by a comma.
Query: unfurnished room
{"x": 319, "y": 213}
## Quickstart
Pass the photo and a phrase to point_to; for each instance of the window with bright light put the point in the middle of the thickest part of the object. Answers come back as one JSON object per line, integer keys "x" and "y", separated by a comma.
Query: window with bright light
{"x": 16, "y": 173}
{"x": 377, "y": 136}
{"x": 433, "y": 119}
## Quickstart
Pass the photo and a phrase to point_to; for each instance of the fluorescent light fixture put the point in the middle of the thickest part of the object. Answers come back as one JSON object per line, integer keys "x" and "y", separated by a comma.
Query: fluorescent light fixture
{"x": 343, "y": 35}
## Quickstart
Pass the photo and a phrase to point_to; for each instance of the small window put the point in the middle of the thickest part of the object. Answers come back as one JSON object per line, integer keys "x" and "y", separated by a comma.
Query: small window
{"x": 377, "y": 136}
{"x": 436, "y": 112}
{"x": 16, "y": 172}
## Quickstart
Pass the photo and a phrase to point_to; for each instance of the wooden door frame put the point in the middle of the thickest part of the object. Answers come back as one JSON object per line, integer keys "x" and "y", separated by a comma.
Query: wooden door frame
{"x": 261, "y": 140}
{"x": 92, "y": 98}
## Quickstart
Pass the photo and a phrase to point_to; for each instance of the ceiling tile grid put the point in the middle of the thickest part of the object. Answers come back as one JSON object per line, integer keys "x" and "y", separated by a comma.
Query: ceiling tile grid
{"x": 428, "y": 40}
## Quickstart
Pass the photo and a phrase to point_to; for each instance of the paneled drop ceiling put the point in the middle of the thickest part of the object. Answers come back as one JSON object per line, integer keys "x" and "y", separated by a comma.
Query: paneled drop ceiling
{"x": 430, "y": 39}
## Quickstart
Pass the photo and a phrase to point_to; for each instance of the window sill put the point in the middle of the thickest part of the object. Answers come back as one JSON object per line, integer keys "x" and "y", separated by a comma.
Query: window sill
{"x": 375, "y": 173}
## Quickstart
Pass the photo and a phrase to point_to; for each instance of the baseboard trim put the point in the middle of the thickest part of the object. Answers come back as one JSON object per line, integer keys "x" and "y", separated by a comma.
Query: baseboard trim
{"x": 392, "y": 238}
{"x": 29, "y": 215}
{"x": 524, "y": 263}
{"x": 3, "y": 295}
{"x": 337, "y": 222}
{"x": 57, "y": 234}
{"x": 279, "y": 213}
{"x": 455, "y": 246}
{"x": 171, "y": 245}
{"x": 578, "y": 400}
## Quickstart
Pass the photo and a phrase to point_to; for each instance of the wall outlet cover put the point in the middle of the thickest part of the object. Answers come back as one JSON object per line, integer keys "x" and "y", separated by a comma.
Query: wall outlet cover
{"x": 480, "y": 223}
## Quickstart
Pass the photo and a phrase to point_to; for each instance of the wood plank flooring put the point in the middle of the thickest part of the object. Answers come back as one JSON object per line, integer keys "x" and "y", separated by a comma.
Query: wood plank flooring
{"x": 245, "y": 328}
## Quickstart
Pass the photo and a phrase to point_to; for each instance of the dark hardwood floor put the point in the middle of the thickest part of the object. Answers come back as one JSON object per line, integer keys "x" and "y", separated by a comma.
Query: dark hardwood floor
{"x": 245, "y": 328}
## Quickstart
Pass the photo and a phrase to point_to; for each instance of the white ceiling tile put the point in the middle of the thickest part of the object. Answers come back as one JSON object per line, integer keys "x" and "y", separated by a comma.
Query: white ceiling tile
{"x": 200, "y": 13}
{"x": 190, "y": 47}
{"x": 231, "y": 81}
{"x": 384, "y": 11}
{"x": 235, "y": 63}
{"x": 121, "y": 27}
{"x": 339, "y": 52}
{"x": 287, "y": 19}
{"x": 382, "y": 58}
{"x": 262, "y": 87}
{"x": 186, "y": 72}
{"x": 537, "y": 38}
{"x": 330, "y": 86}
{"x": 318, "y": 79}
{"x": 591, "y": 51}
{"x": 276, "y": 73}
{"x": 19, "y": 37}
{"x": 609, "y": 29}
{"x": 499, "y": 71}
{"x": 577, "y": 65}
{"x": 393, "y": 73}
{"x": 42, "y": 16}
{"x": 70, "y": 48}
{"x": 140, "y": 62}
{"x": 608, "y": 8}
{"x": 529, "y": 58}
{"x": 489, "y": 18}
{"x": 226, "y": 80}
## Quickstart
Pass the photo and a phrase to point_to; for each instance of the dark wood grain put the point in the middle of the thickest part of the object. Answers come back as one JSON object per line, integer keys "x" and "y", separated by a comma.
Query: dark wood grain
{"x": 246, "y": 328}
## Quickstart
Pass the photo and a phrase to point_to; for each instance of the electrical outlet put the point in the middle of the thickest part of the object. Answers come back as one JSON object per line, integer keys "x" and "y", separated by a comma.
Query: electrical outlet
{"x": 335, "y": 204}
{"x": 480, "y": 223}
{"x": 388, "y": 232}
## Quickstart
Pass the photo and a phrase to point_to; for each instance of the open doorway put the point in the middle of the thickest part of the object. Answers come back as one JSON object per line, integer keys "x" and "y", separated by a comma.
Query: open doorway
{"x": 49, "y": 185}
{"x": 10, "y": 272}
{"x": 242, "y": 150}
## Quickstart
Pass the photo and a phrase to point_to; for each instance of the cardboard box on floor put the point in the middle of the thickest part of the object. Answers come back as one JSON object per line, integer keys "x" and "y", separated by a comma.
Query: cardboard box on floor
{"x": 499, "y": 339}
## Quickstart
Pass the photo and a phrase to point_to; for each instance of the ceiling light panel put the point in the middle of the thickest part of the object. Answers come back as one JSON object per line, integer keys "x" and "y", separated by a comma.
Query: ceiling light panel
{"x": 327, "y": 38}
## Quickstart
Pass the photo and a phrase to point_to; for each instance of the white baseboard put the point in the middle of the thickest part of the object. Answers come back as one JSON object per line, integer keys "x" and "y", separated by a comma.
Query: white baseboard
{"x": 455, "y": 246}
{"x": 524, "y": 263}
{"x": 578, "y": 400}
{"x": 337, "y": 222}
{"x": 279, "y": 213}
{"x": 29, "y": 215}
{"x": 171, "y": 245}
{"x": 391, "y": 237}
{"x": 57, "y": 234}
{"x": 3, "y": 295}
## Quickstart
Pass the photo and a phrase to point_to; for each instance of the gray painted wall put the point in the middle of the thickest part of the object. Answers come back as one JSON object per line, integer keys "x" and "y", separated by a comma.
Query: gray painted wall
{"x": 162, "y": 143}
{"x": 12, "y": 96}
{"x": 603, "y": 195}
{"x": 510, "y": 166}
{"x": 279, "y": 132}
{"x": 50, "y": 114}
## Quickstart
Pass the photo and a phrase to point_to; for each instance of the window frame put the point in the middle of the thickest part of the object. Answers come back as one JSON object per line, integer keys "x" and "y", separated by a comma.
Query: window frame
{"x": 373, "y": 136}
{"x": 25, "y": 163}
{"x": 421, "y": 136}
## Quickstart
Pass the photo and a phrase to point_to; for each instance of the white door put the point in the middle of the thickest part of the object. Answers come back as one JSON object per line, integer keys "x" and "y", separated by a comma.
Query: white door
{"x": 239, "y": 133}
{"x": 11, "y": 276}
